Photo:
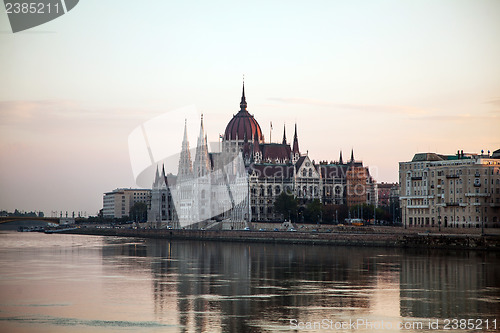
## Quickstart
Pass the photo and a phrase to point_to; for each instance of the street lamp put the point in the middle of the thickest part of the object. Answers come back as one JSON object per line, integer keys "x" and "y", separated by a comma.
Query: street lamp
{"x": 482, "y": 220}
{"x": 439, "y": 218}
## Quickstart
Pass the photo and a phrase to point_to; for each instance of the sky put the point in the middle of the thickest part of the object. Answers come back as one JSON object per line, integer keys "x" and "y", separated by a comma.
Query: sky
{"x": 385, "y": 78}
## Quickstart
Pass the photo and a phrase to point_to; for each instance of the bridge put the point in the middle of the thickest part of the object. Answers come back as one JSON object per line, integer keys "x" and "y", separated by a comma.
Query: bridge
{"x": 7, "y": 219}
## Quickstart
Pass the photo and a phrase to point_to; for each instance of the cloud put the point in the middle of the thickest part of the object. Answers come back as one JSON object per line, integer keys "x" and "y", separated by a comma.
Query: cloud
{"x": 390, "y": 109}
{"x": 460, "y": 117}
{"x": 495, "y": 102}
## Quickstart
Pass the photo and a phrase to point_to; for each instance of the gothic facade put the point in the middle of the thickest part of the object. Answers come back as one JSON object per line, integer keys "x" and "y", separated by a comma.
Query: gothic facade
{"x": 241, "y": 182}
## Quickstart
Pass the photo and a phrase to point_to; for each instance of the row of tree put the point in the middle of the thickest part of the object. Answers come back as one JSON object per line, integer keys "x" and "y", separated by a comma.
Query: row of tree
{"x": 21, "y": 213}
{"x": 316, "y": 212}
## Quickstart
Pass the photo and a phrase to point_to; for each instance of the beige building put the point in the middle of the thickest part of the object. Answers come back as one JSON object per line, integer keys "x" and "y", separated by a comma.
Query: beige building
{"x": 461, "y": 190}
{"x": 117, "y": 204}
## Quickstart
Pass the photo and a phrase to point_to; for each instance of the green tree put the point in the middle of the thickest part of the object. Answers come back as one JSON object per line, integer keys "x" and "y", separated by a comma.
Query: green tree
{"x": 138, "y": 212}
{"x": 335, "y": 213}
{"x": 286, "y": 205}
{"x": 313, "y": 211}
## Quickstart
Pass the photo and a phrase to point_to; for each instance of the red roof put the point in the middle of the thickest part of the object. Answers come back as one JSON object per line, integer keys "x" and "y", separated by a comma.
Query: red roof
{"x": 243, "y": 124}
{"x": 275, "y": 151}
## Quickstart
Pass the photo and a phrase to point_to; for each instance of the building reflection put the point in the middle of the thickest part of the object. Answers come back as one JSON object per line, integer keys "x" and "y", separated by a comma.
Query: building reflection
{"x": 451, "y": 284}
{"x": 241, "y": 287}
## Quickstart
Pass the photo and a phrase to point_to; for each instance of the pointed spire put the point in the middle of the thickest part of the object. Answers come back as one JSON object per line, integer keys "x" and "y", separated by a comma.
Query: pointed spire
{"x": 163, "y": 171}
{"x": 185, "y": 139}
{"x": 256, "y": 147}
{"x": 243, "y": 103}
{"x": 185, "y": 167}
{"x": 295, "y": 141}
{"x": 201, "y": 164}
{"x": 352, "y": 155}
{"x": 157, "y": 176}
{"x": 340, "y": 159}
{"x": 284, "y": 134}
{"x": 201, "y": 136}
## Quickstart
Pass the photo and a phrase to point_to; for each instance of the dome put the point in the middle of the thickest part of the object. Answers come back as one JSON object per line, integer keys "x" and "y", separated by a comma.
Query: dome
{"x": 243, "y": 124}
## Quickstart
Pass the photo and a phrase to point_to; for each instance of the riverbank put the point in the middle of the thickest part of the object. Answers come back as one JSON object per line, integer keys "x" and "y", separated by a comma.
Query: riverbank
{"x": 342, "y": 237}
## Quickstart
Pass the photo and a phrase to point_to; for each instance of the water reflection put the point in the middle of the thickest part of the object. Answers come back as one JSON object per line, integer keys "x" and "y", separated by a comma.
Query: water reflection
{"x": 252, "y": 287}
{"x": 60, "y": 283}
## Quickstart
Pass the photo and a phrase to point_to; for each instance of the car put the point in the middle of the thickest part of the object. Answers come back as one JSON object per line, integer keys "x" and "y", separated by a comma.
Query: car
{"x": 246, "y": 229}
{"x": 276, "y": 229}
{"x": 314, "y": 230}
{"x": 262, "y": 229}
{"x": 292, "y": 229}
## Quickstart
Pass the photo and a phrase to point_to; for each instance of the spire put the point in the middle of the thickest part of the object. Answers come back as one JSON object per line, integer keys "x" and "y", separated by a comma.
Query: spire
{"x": 284, "y": 135}
{"x": 201, "y": 136}
{"x": 185, "y": 139}
{"x": 157, "y": 176}
{"x": 243, "y": 103}
{"x": 295, "y": 141}
{"x": 340, "y": 159}
{"x": 163, "y": 171}
{"x": 185, "y": 167}
{"x": 201, "y": 161}
{"x": 352, "y": 155}
{"x": 256, "y": 147}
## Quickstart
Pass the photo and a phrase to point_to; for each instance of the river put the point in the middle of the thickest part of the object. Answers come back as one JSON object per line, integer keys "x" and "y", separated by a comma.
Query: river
{"x": 76, "y": 283}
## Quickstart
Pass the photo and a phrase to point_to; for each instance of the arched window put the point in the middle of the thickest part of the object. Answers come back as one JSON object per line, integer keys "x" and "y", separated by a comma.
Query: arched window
{"x": 310, "y": 173}
{"x": 277, "y": 190}
{"x": 304, "y": 172}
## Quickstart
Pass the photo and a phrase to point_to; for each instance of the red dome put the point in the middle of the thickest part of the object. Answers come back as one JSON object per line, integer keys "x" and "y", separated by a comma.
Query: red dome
{"x": 243, "y": 125}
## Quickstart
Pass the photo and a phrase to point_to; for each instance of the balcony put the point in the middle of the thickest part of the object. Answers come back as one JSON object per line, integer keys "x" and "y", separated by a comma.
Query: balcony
{"x": 451, "y": 176}
{"x": 477, "y": 194}
{"x": 452, "y": 204}
{"x": 418, "y": 206}
{"x": 416, "y": 178}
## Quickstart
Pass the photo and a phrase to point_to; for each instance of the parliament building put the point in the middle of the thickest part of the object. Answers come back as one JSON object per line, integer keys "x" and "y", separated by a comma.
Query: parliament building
{"x": 240, "y": 183}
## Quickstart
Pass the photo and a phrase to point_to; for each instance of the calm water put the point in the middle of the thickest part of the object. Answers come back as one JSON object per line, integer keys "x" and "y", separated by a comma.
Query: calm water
{"x": 66, "y": 283}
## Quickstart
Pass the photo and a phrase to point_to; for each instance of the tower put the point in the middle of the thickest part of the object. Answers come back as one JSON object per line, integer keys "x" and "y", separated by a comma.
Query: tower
{"x": 295, "y": 149}
{"x": 201, "y": 180}
{"x": 185, "y": 170}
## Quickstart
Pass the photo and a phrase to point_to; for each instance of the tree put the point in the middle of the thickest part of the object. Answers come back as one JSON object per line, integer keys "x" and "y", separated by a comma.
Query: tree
{"x": 286, "y": 205}
{"x": 138, "y": 212}
{"x": 313, "y": 211}
{"x": 335, "y": 213}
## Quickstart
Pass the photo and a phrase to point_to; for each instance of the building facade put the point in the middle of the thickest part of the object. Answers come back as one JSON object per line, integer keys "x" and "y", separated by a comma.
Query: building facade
{"x": 461, "y": 190}
{"x": 241, "y": 182}
{"x": 386, "y": 193}
{"x": 117, "y": 203}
